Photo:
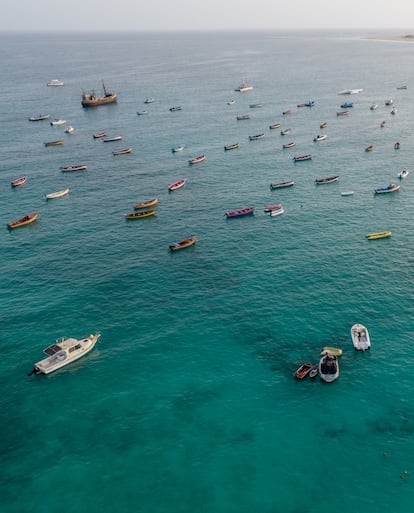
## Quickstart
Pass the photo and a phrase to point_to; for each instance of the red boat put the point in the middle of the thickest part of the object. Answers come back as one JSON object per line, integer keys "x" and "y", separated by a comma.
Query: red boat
{"x": 240, "y": 213}
{"x": 18, "y": 181}
{"x": 299, "y": 158}
{"x": 303, "y": 370}
{"x": 275, "y": 206}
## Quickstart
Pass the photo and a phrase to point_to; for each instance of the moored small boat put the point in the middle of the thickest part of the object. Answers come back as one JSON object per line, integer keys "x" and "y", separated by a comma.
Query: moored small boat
{"x": 197, "y": 160}
{"x": 149, "y": 100}
{"x": 268, "y": 208}
{"x": 69, "y": 129}
{"x": 30, "y": 218}
{"x": 57, "y": 122}
{"x": 240, "y": 213}
{"x": 231, "y": 102}
{"x": 289, "y": 144}
{"x": 319, "y": 138}
{"x": 256, "y": 137}
{"x": 347, "y": 193}
{"x": 329, "y": 368}
{"x": 323, "y": 125}
{"x": 389, "y": 102}
{"x": 397, "y": 146}
{"x": 146, "y": 204}
{"x": 243, "y": 88}
{"x": 281, "y": 185}
{"x": 79, "y": 167}
{"x": 393, "y": 111}
{"x": 55, "y": 82}
{"x": 231, "y": 146}
{"x": 389, "y": 188}
{"x": 40, "y": 117}
{"x": 378, "y": 235}
{"x": 285, "y": 131}
{"x": 188, "y": 241}
{"x": 177, "y": 185}
{"x": 382, "y": 124}
{"x": 335, "y": 351}
{"x": 374, "y": 106}
{"x": 177, "y": 148}
{"x": 242, "y": 116}
{"x": 57, "y": 194}
{"x": 275, "y": 125}
{"x": 140, "y": 215}
{"x": 98, "y": 135}
{"x": 18, "y": 181}
{"x": 112, "y": 139}
{"x": 303, "y": 371}
{"x": 142, "y": 112}
{"x": 347, "y": 105}
{"x": 369, "y": 148}
{"x": 175, "y": 109}
{"x": 342, "y": 113}
{"x": 122, "y": 152}
{"x": 276, "y": 211}
{"x": 300, "y": 158}
{"x": 59, "y": 142}
{"x": 328, "y": 179}
{"x": 287, "y": 112}
{"x": 360, "y": 337}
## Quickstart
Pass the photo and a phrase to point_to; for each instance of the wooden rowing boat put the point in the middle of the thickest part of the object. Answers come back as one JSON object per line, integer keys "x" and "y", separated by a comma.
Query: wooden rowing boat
{"x": 146, "y": 204}
{"x": 23, "y": 221}
{"x": 140, "y": 215}
{"x": 189, "y": 241}
{"x": 57, "y": 194}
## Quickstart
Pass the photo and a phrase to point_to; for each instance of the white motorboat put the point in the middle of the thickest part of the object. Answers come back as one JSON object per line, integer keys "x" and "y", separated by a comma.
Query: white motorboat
{"x": 403, "y": 174}
{"x": 69, "y": 129}
{"x": 328, "y": 367}
{"x": 56, "y": 122}
{"x": 276, "y": 211}
{"x": 360, "y": 337}
{"x": 320, "y": 138}
{"x": 63, "y": 352}
{"x": 351, "y": 91}
{"x": 55, "y": 83}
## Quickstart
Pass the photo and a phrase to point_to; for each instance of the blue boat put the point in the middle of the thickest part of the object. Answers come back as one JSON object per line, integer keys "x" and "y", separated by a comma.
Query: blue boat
{"x": 347, "y": 105}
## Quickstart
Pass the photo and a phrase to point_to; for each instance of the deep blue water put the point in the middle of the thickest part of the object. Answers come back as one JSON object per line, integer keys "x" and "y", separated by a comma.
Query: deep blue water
{"x": 188, "y": 401}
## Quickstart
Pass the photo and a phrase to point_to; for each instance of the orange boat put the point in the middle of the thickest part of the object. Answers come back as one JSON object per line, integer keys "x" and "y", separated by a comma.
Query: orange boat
{"x": 146, "y": 204}
{"x": 303, "y": 371}
{"x": 189, "y": 241}
{"x": 23, "y": 221}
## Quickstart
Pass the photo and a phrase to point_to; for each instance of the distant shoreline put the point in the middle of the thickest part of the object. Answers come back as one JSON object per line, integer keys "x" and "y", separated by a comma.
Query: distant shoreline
{"x": 408, "y": 37}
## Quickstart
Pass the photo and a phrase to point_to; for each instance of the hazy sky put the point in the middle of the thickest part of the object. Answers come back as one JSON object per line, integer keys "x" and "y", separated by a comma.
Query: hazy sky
{"x": 206, "y": 14}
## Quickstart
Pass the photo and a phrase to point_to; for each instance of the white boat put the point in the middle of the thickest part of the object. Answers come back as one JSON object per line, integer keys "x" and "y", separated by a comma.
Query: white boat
{"x": 403, "y": 174}
{"x": 389, "y": 102}
{"x": 177, "y": 148}
{"x": 351, "y": 91}
{"x": 56, "y": 122}
{"x": 320, "y": 138}
{"x": 374, "y": 106}
{"x": 149, "y": 100}
{"x": 276, "y": 211}
{"x": 231, "y": 102}
{"x": 360, "y": 337}
{"x": 57, "y": 194}
{"x": 63, "y": 352}
{"x": 347, "y": 193}
{"x": 244, "y": 88}
{"x": 69, "y": 129}
{"x": 328, "y": 368}
{"x": 393, "y": 111}
{"x": 55, "y": 83}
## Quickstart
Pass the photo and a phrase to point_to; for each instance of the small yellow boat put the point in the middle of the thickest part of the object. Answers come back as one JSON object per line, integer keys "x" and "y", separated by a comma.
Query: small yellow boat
{"x": 139, "y": 215}
{"x": 324, "y": 125}
{"x": 146, "y": 204}
{"x": 23, "y": 221}
{"x": 54, "y": 143}
{"x": 369, "y": 148}
{"x": 333, "y": 351}
{"x": 378, "y": 235}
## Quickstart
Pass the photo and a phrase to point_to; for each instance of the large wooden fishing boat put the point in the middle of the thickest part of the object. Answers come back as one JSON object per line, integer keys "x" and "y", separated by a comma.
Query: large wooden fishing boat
{"x": 92, "y": 100}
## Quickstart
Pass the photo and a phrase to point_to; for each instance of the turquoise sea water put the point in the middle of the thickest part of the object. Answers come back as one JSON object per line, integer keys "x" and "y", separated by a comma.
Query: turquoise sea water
{"x": 187, "y": 403}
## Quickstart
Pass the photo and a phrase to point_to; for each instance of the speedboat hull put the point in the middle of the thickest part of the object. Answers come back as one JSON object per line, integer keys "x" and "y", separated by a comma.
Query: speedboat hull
{"x": 360, "y": 337}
